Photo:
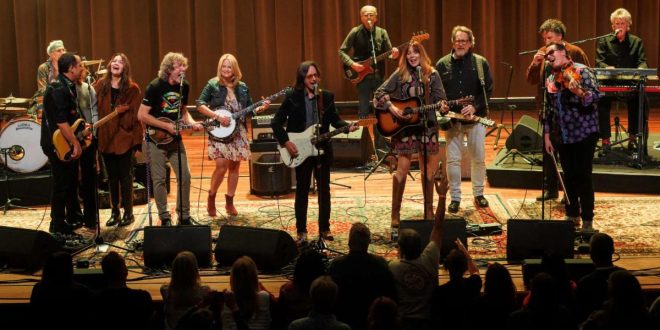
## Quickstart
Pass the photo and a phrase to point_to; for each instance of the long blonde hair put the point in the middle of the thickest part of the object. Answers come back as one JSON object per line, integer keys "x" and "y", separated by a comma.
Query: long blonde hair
{"x": 424, "y": 60}
{"x": 234, "y": 67}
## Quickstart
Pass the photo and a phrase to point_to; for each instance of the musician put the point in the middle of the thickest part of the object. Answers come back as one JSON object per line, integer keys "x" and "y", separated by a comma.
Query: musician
{"x": 359, "y": 41}
{"x": 47, "y": 72}
{"x": 300, "y": 110}
{"x": 465, "y": 73}
{"x": 571, "y": 128}
{"x": 402, "y": 84}
{"x": 622, "y": 49}
{"x": 228, "y": 91}
{"x": 167, "y": 96}
{"x": 87, "y": 104}
{"x": 552, "y": 30}
{"x": 60, "y": 112}
{"x": 120, "y": 137}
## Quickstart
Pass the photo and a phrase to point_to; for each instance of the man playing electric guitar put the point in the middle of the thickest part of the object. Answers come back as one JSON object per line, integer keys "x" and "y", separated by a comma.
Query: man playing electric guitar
{"x": 367, "y": 41}
{"x": 60, "y": 112}
{"x": 301, "y": 109}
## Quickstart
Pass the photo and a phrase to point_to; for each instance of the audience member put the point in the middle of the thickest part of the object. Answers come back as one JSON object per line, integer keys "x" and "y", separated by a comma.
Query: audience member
{"x": 294, "y": 301}
{"x": 452, "y": 301}
{"x": 498, "y": 301}
{"x": 543, "y": 310}
{"x": 625, "y": 307}
{"x": 253, "y": 303}
{"x": 324, "y": 297}
{"x": 134, "y": 307}
{"x": 57, "y": 301}
{"x": 185, "y": 289}
{"x": 416, "y": 271}
{"x": 384, "y": 315}
{"x": 361, "y": 277}
{"x": 591, "y": 291}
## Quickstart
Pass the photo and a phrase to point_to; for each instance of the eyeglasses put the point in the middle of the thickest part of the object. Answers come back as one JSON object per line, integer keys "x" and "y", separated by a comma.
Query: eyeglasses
{"x": 314, "y": 75}
{"x": 461, "y": 41}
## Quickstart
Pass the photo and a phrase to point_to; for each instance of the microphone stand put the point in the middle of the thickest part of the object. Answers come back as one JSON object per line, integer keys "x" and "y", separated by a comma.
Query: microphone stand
{"x": 501, "y": 126}
{"x": 373, "y": 45}
{"x": 179, "y": 196}
{"x": 577, "y": 42}
{"x": 425, "y": 126}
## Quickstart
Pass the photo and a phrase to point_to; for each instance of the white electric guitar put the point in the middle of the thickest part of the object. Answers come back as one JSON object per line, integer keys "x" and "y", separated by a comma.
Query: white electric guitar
{"x": 306, "y": 142}
{"x": 225, "y": 133}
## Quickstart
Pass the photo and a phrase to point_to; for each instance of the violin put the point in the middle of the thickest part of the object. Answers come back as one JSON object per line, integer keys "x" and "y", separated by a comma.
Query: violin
{"x": 565, "y": 76}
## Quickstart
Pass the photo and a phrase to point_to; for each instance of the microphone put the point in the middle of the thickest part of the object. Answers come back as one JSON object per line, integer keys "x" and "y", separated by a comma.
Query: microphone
{"x": 419, "y": 72}
{"x": 370, "y": 23}
{"x": 182, "y": 76}
{"x": 616, "y": 32}
{"x": 316, "y": 89}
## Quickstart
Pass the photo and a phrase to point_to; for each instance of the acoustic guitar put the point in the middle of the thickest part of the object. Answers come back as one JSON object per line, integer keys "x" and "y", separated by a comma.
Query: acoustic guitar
{"x": 389, "y": 124}
{"x": 63, "y": 148}
{"x": 356, "y": 77}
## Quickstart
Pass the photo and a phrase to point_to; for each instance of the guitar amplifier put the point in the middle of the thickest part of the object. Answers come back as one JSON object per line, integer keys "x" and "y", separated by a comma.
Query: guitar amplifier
{"x": 261, "y": 130}
{"x": 352, "y": 149}
{"x": 268, "y": 175}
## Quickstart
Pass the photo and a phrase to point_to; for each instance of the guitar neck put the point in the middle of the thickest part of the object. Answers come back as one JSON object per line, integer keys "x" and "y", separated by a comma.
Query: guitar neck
{"x": 105, "y": 119}
{"x": 244, "y": 112}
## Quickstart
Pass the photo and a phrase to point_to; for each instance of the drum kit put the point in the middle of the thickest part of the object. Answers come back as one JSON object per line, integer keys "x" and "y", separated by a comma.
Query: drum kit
{"x": 20, "y": 132}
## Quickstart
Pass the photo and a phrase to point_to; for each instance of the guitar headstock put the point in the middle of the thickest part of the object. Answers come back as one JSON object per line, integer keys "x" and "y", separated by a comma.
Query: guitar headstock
{"x": 420, "y": 36}
{"x": 465, "y": 100}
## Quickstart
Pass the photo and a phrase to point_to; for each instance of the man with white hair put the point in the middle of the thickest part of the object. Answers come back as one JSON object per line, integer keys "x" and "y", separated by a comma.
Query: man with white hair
{"x": 47, "y": 73}
{"x": 621, "y": 50}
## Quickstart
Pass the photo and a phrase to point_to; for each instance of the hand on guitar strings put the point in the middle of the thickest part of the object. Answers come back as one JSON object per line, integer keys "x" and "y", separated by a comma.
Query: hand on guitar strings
{"x": 291, "y": 148}
{"x": 468, "y": 111}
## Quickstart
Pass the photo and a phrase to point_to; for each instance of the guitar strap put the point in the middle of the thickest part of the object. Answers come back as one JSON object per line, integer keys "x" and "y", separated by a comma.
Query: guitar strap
{"x": 480, "y": 72}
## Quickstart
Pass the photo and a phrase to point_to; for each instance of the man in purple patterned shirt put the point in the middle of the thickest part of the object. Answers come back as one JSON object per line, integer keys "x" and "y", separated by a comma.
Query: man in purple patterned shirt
{"x": 572, "y": 128}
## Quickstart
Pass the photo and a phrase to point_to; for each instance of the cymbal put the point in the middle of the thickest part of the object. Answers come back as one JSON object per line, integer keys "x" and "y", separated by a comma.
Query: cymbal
{"x": 13, "y": 110}
{"x": 10, "y": 99}
{"x": 92, "y": 62}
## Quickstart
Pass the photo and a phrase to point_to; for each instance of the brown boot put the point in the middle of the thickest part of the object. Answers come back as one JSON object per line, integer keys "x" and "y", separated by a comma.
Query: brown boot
{"x": 229, "y": 205}
{"x": 428, "y": 203}
{"x": 397, "y": 194}
{"x": 210, "y": 205}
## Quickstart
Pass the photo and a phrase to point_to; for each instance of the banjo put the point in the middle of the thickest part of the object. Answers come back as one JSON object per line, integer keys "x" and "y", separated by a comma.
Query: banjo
{"x": 226, "y": 133}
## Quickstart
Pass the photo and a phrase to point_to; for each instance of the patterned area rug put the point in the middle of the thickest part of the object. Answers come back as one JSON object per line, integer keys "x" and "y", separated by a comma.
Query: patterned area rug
{"x": 632, "y": 222}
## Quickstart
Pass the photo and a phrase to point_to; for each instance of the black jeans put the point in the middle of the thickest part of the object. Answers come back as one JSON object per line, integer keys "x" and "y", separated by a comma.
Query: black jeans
{"x": 577, "y": 164}
{"x": 88, "y": 185}
{"x": 64, "y": 203}
{"x": 120, "y": 180}
{"x": 320, "y": 167}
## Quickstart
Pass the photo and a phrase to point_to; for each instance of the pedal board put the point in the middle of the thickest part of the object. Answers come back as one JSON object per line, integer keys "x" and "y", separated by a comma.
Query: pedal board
{"x": 484, "y": 229}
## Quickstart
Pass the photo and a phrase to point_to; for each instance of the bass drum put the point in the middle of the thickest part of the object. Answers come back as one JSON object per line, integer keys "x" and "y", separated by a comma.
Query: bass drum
{"x": 22, "y": 137}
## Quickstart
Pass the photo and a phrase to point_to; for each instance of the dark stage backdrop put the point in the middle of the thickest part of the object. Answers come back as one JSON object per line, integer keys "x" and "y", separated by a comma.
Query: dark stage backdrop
{"x": 270, "y": 37}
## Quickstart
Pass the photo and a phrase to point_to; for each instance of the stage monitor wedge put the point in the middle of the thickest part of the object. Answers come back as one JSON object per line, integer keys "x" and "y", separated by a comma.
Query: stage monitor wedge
{"x": 529, "y": 239}
{"x": 162, "y": 244}
{"x": 270, "y": 249}
{"x": 26, "y": 248}
{"x": 526, "y": 135}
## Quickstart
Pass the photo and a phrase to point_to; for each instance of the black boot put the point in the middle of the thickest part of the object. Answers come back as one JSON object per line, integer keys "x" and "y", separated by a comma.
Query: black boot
{"x": 114, "y": 218}
{"x": 547, "y": 195}
{"x": 127, "y": 219}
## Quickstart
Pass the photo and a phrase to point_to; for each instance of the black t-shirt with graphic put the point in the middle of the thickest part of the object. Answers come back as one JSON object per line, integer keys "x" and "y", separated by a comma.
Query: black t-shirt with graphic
{"x": 165, "y": 99}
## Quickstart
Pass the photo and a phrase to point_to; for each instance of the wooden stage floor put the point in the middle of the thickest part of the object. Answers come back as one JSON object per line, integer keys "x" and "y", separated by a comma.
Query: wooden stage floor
{"x": 16, "y": 288}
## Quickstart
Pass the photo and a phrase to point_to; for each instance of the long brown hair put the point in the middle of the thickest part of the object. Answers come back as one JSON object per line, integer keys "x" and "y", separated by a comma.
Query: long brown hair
{"x": 424, "y": 60}
{"x": 245, "y": 285}
{"x": 185, "y": 273}
{"x": 105, "y": 83}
